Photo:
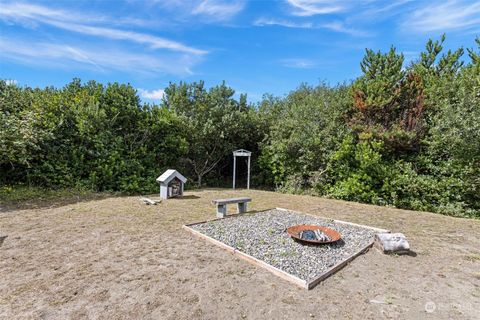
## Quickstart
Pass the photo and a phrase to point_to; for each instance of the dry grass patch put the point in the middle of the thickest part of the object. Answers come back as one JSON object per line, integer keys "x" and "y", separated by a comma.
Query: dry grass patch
{"x": 115, "y": 257}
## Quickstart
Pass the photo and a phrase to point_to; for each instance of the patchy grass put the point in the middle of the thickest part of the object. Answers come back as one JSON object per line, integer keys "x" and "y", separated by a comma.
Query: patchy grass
{"x": 472, "y": 257}
{"x": 27, "y": 197}
{"x": 17, "y": 194}
{"x": 81, "y": 255}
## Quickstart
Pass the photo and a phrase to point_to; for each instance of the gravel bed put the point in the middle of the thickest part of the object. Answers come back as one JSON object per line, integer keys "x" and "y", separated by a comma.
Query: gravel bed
{"x": 263, "y": 235}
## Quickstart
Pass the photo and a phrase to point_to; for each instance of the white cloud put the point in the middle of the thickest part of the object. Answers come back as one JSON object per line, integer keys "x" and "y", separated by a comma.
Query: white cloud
{"x": 152, "y": 95}
{"x": 65, "y": 20}
{"x": 385, "y": 9}
{"x": 340, "y": 27}
{"x": 26, "y": 13}
{"x": 11, "y": 82}
{"x": 18, "y": 11}
{"x": 212, "y": 10}
{"x": 153, "y": 42}
{"x": 358, "y": 10}
{"x": 84, "y": 57}
{"x": 305, "y": 8}
{"x": 221, "y": 10}
{"x": 445, "y": 16}
{"x": 298, "y": 63}
{"x": 263, "y": 22}
{"x": 336, "y": 26}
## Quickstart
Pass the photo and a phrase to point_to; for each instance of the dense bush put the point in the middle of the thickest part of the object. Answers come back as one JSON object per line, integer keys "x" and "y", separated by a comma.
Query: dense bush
{"x": 306, "y": 128}
{"x": 103, "y": 138}
{"x": 401, "y": 135}
{"x": 406, "y": 135}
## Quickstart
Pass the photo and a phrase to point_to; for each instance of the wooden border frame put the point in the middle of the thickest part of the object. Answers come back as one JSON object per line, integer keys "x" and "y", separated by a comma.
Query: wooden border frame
{"x": 257, "y": 262}
{"x": 280, "y": 273}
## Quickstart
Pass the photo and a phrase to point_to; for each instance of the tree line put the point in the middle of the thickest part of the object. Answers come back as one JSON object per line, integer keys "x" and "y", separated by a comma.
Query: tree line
{"x": 403, "y": 135}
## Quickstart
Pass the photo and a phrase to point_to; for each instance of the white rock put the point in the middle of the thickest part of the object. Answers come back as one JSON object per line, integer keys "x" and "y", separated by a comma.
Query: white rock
{"x": 392, "y": 242}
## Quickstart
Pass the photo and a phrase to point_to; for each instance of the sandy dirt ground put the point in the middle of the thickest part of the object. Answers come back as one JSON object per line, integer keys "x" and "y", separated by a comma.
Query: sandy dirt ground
{"x": 116, "y": 258}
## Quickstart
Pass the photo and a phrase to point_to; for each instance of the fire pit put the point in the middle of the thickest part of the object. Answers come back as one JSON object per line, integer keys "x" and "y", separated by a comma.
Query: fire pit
{"x": 261, "y": 238}
{"x": 313, "y": 234}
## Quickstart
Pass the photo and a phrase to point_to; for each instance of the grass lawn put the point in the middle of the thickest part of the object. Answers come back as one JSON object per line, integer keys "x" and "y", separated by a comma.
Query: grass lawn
{"x": 110, "y": 257}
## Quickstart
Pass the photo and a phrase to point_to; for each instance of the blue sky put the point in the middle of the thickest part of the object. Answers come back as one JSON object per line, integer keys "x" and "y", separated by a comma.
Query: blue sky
{"x": 257, "y": 47}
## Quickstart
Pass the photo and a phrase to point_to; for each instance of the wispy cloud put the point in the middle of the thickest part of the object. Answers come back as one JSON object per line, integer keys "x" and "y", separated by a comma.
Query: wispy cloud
{"x": 212, "y": 10}
{"x": 342, "y": 28}
{"x": 65, "y": 20}
{"x": 336, "y": 26}
{"x": 298, "y": 63}
{"x": 73, "y": 56}
{"x": 384, "y": 8}
{"x": 28, "y": 13}
{"x": 445, "y": 16}
{"x": 20, "y": 11}
{"x": 153, "y": 42}
{"x": 264, "y": 22}
{"x": 221, "y": 10}
{"x": 305, "y": 8}
{"x": 151, "y": 95}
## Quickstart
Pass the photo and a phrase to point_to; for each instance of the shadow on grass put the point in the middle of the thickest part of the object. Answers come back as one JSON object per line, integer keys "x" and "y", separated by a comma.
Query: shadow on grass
{"x": 26, "y": 198}
{"x": 189, "y": 197}
{"x": 409, "y": 253}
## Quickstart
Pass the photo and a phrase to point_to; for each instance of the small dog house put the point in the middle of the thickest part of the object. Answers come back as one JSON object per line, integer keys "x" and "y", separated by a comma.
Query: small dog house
{"x": 171, "y": 184}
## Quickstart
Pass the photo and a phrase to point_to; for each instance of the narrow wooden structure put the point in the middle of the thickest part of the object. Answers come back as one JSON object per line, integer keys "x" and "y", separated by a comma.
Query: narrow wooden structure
{"x": 241, "y": 153}
{"x": 149, "y": 201}
{"x": 222, "y": 205}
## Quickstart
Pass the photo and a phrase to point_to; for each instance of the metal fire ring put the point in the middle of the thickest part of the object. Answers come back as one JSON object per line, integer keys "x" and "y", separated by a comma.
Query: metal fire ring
{"x": 294, "y": 232}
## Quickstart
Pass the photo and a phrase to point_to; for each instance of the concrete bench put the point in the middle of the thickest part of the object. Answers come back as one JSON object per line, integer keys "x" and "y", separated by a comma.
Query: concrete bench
{"x": 222, "y": 205}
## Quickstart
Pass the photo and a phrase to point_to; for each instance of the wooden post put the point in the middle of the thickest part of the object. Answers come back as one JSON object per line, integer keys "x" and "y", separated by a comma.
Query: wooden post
{"x": 234, "y": 169}
{"x": 248, "y": 174}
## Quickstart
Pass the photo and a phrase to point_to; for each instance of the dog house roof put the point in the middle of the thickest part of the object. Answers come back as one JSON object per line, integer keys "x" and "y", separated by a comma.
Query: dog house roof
{"x": 168, "y": 176}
